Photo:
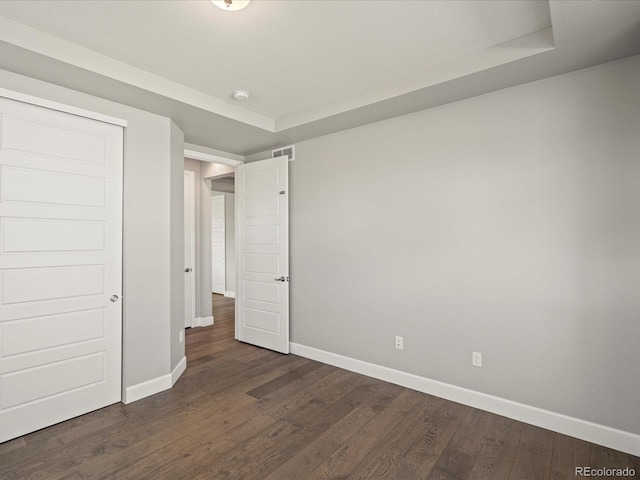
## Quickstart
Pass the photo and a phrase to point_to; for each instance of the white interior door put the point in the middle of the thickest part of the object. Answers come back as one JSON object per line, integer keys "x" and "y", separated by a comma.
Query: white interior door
{"x": 60, "y": 266}
{"x": 218, "y": 262}
{"x": 262, "y": 218}
{"x": 189, "y": 249}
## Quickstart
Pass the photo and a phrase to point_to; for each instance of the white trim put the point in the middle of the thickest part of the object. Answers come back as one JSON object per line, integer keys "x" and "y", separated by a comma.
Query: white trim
{"x": 230, "y": 294}
{"x": 483, "y": 60}
{"x": 34, "y": 40}
{"x": 60, "y": 107}
{"x": 146, "y": 389}
{"x": 574, "y": 427}
{"x": 213, "y": 151}
{"x": 43, "y": 43}
{"x": 178, "y": 371}
{"x": 155, "y": 385}
{"x": 203, "y": 322}
{"x": 207, "y": 157}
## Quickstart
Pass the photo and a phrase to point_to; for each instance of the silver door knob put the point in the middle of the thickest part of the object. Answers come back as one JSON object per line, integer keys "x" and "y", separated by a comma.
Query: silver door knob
{"x": 114, "y": 298}
{"x": 281, "y": 279}
{"x": 187, "y": 269}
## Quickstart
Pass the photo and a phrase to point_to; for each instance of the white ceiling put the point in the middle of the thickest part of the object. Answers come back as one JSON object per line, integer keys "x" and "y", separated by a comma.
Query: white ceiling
{"x": 312, "y": 66}
{"x": 291, "y": 55}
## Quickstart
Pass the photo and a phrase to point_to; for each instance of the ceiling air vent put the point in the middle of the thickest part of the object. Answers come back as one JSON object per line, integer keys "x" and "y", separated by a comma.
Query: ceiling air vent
{"x": 288, "y": 151}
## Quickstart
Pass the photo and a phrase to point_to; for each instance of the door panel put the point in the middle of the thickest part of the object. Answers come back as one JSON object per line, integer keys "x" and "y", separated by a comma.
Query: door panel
{"x": 39, "y": 235}
{"x": 41, "y": 333}
{"x": 36, "y": 383}
{"x": 50, "y": 283}
{"x": 60, "y": 262}
{"x": 80, "y": 145}
{"x": 29, "y": 185}
{"x": 262, "y": 299}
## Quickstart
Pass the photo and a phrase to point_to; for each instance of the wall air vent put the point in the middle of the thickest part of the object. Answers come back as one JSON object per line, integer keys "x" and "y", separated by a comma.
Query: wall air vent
{"x": 288, "y": 151}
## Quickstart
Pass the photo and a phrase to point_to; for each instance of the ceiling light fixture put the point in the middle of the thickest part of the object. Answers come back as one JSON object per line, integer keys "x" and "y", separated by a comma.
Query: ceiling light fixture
{"x": 240, "y": 95}
{"x": 231, "y": 5}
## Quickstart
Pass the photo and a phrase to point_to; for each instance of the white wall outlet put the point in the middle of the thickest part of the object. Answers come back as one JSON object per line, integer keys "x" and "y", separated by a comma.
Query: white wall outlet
{"x": 476, "y": 359}
{"x": 400, "y": 343}
{"x": 181, "y": 336}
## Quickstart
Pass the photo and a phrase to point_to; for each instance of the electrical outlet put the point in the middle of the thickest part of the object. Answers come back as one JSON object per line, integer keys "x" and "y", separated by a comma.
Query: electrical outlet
{"x": 476, "y": 359}
{"x": 181, "y": 336}
{"x": 399, "y": 343}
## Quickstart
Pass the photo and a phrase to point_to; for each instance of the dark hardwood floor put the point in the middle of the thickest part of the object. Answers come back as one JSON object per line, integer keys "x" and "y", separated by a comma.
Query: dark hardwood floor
{"x": 241, "y": 412}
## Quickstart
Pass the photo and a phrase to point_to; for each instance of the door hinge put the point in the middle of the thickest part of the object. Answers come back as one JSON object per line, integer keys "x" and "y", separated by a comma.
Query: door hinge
{"x": 282, "y": 192}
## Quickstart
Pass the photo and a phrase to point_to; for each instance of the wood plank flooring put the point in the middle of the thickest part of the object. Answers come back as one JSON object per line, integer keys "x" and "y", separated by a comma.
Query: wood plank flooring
{"x": 241, "y": 412}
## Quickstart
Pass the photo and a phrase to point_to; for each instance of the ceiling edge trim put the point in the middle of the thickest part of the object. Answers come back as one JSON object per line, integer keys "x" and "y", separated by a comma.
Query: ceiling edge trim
{"x": 34, "y": 40}
{"x": 507, "y": 52}
{"x": 60, "y": 107}
{"x": 207, "y": 157}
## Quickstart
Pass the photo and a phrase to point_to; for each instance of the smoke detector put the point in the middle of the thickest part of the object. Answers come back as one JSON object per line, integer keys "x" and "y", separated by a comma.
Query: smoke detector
{"x": 240, "y": 95}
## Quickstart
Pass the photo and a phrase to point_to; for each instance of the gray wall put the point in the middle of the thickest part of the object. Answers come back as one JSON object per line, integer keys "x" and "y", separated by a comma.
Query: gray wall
{"x": 507, "y": 224}
{"x": 176, "y": 207}
{"x": 148, "y": 288}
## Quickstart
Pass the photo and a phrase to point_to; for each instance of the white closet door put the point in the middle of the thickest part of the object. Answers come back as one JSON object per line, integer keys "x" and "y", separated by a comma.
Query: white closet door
{"x": 60, "y": 266}
{"x": 218, "y": 262}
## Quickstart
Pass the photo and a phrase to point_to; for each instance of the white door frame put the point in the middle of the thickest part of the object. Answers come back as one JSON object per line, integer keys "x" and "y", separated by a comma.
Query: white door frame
{"x": 189, "y": 278}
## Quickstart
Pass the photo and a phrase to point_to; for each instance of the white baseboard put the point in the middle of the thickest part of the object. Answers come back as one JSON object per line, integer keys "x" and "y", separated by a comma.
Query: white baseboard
{"x": 178, "y": 371}
{"x": 155, "y": 385}
{"x": 574, "y": 427}
{"x": 146, "y": 389}
{"x": 203, "y": 322}
{"x": 230, "y": 294}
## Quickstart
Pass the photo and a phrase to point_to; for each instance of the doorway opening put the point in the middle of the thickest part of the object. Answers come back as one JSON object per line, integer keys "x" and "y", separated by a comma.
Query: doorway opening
{"x": 223, "y": 242}
{"x": 254, "y": 268}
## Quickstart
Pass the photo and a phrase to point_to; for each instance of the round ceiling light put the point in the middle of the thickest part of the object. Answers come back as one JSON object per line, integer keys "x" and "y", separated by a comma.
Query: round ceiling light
{"x": 231, "y": 5}
{"x": 240, "y": 95}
